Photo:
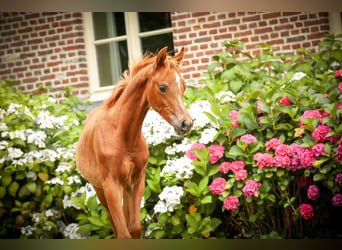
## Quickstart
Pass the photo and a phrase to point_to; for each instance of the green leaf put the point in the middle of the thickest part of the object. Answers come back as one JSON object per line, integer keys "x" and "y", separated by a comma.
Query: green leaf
{"x": 213, "y": 66}
{"x": 213, "y": 170}
{"x": 2, "y": 192}
{"x": 206, "y": 199}
{"x": 318, "y": 177}
{"x": 96, "y": 221}
{"x": 6, "y": 179}
{"x": 13, "y": 188}
{"x": 235, "y": 151}
{"x": 31, "y": 186}
{"x": 235, "y": 86}
{"x": 203, "y": 184}
{"x": 236, "y": 131}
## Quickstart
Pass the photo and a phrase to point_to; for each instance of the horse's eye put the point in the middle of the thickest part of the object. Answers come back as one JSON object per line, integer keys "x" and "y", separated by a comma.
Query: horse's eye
{"x": 162, "y": 88}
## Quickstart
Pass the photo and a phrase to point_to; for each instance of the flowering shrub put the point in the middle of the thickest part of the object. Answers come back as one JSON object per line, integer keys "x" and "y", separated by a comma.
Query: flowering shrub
{"x": 263, "y": 159}
{"x": 266, "y": 151}
{"x": 38, "y": 176}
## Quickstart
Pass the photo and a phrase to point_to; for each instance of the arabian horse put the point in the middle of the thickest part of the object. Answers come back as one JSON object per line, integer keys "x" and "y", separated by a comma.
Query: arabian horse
{"x": 112, "y": 153}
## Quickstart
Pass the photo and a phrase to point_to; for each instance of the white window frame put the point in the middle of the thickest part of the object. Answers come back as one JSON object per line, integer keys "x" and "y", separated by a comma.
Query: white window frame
{"x": 335, "y": 23}
{"x": 132, "y": 36}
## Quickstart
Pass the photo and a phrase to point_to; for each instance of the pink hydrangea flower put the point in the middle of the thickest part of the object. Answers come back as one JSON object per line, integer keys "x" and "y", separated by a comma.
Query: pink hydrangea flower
{"x": 307, "y": 159}
{"x": 216, "y": 153}
{"x": 337, "y": 200}
{"x": 231, "y": 203}
{"x": 285, "y": 101}
{"x": 233, "y": 114}
{"x": 263, "y": 160}
{"x": 259, "y": 106}
{"x": 338, "y": 178}
{"x": 313, "y": 192}
{"x": 224, "y": 167}
{"x": 248, "y": 138}
{"x": 310, "y": 114}
{"x": 340, "y": 87}
{"x": 338, "y": 73}
{"x": 191, "y": 154}
{"x": 295, "y": 164}
{"x": 320, "y": 132}
{"x": 241, "y": 175}
{"x": 251, "y": 188}
{"x": 236, "y": 166}
{"x": 318, "y": 149}
{"x": 284, "y": 150}
{"x": 306, "y": 211}
{"x": 281, "y": 161}
{"x": 273, "y": 143}
{"x": 339, "y": 152}
{"x": 218, "y": 186}
{"x": 339, "y": 106}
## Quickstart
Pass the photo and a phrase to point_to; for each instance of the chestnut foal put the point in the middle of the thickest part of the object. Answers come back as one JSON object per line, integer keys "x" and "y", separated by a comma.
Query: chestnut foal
{"x": 112, "y": 153}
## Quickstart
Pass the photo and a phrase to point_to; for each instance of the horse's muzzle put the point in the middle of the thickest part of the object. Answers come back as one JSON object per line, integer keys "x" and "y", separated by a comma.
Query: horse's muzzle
{"x": 183, "y": 127}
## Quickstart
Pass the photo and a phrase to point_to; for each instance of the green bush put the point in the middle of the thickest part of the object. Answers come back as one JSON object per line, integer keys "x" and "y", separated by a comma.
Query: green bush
{"x": 262, "y": 161}
{"x": 267, "y": 163}
{"x": 37, "y": 166}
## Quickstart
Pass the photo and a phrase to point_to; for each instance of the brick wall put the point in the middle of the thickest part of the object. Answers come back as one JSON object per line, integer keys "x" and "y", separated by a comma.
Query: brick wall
{"x": 203, "y": 34}
{"x": 49, "y": 48}
{"x": 44, "y": 49}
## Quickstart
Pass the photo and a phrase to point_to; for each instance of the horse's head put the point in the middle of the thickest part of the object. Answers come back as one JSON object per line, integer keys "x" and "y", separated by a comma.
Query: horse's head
{"x": 165, "y": 89}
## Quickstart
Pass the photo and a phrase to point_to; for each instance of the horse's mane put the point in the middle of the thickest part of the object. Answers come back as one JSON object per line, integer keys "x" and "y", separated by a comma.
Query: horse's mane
{"x": 134, "y": 69}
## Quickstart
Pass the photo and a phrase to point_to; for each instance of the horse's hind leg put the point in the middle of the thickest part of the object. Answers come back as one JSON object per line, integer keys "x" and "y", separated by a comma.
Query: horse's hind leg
{"x": 102, "y": 198}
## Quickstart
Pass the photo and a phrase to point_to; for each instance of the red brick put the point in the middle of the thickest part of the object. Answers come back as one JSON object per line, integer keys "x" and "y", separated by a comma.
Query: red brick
{"x": 271, "y": 15}
{"x": 251, "y": 18}
{"x": 263, "y": 30}
{"x": 212, "y": 25}
{"x": 25, "y": 30}
{"x": 42, "y": 27}
{"x": 231, "y": 22}
{"x": 197, "y": 14}
{"x": 283, "y": 27}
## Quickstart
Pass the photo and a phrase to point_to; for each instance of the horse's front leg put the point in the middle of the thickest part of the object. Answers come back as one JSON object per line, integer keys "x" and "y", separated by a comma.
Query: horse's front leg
{"x": 113, "y": 192}
{"x": 132, "y": 202}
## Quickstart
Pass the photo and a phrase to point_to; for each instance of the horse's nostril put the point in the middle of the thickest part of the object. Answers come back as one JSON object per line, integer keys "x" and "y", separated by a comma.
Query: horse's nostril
{"x": 184, "y": 125}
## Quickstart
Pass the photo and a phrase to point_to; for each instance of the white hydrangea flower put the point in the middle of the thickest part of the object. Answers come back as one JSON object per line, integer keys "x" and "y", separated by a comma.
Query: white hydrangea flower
{"x": 14, "y": 152}
{"x": 181, "y": 168}
{"x": 63, "y": 166}
{"x": 70, "y": 231}
{"x": 207, "y": 135}
{"x": 169, "y": 198}
{"x": 56, "y": 180}
{"x": 28, "y": 230}
{"x": 73, "y": 179}
{"x": 12, "y": 108}
{"x": 3, "y": 126}
{"x": 297, "y": 76}
{"x": 177, "y": 148}
{"x": 36, "y": 217}
{"x": 226, "y": 96}
{"x": 3, "y": 144}
{"x": 36, "y": 137}
{"x": 197, "y": 110}
{"x": 155, "y": 129}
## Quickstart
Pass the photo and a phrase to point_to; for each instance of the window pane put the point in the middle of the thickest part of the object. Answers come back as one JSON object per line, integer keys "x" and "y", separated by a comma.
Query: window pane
{"x": 156, "y": 43}
{"x": 108, "y": 25}
{"x": 112, "y": 60}
{"x": 154, "y": 20}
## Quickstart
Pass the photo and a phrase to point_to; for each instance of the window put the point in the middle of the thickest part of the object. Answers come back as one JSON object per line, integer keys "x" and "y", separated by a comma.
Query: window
{"x": 114, "y": 39}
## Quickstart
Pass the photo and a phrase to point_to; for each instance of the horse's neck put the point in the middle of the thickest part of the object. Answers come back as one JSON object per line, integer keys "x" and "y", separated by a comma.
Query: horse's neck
{"x": 130, "y": 110}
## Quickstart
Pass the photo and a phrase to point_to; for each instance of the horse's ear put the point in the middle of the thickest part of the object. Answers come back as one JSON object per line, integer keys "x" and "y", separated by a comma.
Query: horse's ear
{"x": 179, "y": 56}
{"x": 161, "y": 57}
